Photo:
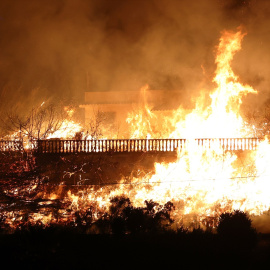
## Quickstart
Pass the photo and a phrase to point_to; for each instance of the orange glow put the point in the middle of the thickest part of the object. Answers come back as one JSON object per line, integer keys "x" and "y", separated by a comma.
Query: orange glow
{"x": 67, "y": 130}
{"x": 203, "y": 181}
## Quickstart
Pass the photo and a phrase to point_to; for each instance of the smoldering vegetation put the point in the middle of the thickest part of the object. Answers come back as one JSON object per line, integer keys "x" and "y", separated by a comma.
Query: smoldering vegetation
{"x": 59, "y": 49}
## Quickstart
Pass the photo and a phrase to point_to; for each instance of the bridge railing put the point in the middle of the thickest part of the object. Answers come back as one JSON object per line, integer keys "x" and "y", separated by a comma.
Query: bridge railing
{"x": 141, "y": 145}
{"x": 10, "y": 145}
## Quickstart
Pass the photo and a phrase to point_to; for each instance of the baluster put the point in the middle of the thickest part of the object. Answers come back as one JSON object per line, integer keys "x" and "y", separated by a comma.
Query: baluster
{"x": 241, "y": 144}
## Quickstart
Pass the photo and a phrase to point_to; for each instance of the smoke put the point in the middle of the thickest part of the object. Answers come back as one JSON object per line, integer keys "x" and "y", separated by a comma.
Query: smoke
{"x": 53, "y": 50}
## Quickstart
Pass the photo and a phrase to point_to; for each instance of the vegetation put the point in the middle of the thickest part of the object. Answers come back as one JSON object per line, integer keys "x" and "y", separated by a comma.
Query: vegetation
{"x": 236, "y": 231}
{"x": 131, "y": 237}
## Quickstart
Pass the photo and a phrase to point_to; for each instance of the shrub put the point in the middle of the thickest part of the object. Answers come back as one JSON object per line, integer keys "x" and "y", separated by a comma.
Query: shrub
{"x": 125, "y": 218}
{"x": 235, "y": 230}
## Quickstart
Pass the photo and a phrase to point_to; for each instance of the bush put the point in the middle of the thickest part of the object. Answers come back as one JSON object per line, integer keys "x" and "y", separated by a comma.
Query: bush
{"x": 236, "y": 231}
{"x": 125, "y": 218}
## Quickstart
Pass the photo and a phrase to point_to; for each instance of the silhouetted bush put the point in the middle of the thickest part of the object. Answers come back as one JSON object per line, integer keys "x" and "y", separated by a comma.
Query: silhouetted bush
{"x": 125, "y": 218}
{"x": 236, "y": 231}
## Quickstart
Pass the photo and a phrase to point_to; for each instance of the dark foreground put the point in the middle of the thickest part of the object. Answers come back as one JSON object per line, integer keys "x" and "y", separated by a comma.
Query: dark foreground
{"x": 197, "y": 250}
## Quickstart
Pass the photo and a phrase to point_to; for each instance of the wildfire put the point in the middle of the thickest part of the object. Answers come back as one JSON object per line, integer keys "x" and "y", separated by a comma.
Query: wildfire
{"x": 206, "y": 181}
{"x": 203, "y": 181}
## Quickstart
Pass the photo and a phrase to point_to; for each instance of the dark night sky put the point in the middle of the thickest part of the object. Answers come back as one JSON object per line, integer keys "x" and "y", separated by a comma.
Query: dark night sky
{"x": 57, "y": 49}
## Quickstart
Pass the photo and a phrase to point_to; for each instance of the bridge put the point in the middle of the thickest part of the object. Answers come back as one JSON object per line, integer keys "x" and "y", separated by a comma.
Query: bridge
{"x": 141, "y": 145}
{"x": 128, "y": 145}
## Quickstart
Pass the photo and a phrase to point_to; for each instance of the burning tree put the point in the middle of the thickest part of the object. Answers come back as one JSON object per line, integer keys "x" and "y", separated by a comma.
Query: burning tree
{"x": 37, "y": 124}
{"x": 43, "y": 122}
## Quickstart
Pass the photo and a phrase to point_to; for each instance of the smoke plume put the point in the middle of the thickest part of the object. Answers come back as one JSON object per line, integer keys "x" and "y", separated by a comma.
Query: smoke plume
{"x": 53, "y": 50}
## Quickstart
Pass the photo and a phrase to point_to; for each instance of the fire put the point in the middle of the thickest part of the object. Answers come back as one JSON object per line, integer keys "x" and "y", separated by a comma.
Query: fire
{"x": 67, "y": 130}
{"x": 207, "y": 181}
{"x": 221, "y": 119}
{"x": 205, "y": 178}
{"x": 203, "y": 181}
{"x": 70, "y": 111}
{"x": 140, "y": 118}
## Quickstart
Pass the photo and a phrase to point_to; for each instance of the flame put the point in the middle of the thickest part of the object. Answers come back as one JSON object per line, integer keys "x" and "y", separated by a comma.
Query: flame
{"x": 67, "y": 130}
{"x": 70, "y": 111}
{"x": 203, "y": 181}
{"x": 221, "y": 119}
{"x": 140, "y": 118}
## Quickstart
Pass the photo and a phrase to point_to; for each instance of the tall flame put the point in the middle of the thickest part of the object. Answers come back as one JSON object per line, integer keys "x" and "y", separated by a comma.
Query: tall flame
{"x": 203, "y": 181}
{"x": 221, "y": 119}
